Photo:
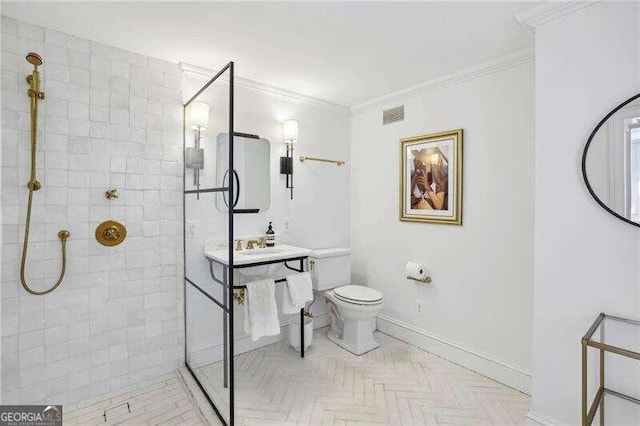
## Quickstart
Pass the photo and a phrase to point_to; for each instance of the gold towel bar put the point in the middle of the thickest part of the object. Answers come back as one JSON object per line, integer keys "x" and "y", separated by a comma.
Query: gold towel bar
{"x": 324, "y": 160}
{"x": 425, "y": 280}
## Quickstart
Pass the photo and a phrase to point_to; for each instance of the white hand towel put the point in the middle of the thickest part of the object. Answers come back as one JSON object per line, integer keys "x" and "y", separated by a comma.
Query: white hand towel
{"x": 286, "y": 305}
{"x": 297, "y": 291}
{"x": 260, "y": 309}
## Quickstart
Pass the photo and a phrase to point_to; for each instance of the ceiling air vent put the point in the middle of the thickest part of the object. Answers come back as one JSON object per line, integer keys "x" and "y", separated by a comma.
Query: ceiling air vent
{"x": 393, "y": 115}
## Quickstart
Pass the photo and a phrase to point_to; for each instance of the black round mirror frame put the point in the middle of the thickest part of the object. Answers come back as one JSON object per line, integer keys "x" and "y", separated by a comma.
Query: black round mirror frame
{"x": 584, "y": 160}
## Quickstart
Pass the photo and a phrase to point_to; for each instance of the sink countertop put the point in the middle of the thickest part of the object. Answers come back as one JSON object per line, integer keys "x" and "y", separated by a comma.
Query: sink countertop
{"x": 257, "y": 255}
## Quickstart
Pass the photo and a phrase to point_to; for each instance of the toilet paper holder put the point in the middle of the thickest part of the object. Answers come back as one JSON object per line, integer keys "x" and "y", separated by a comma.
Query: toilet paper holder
{"x": 424, "y": 280}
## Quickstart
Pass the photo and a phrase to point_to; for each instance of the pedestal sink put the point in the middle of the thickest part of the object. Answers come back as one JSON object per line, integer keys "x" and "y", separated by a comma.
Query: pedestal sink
{"x": 248, "y": 257}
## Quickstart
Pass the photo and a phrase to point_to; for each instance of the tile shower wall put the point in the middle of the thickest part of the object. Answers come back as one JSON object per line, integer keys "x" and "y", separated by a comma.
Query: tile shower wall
{"x": 110, "y": 119}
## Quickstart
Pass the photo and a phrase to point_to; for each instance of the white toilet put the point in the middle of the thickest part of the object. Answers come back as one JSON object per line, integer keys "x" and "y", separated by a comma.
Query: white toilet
{"x": 352, "y": 308}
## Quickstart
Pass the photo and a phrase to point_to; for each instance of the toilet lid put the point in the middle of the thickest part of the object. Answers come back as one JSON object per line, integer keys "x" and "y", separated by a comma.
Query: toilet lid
{"x": 358, "y": 294}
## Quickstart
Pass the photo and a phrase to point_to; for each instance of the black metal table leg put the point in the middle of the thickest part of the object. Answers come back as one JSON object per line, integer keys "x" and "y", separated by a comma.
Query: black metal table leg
{"x": 302, "y": 333}
{"x": 302, "y": 319}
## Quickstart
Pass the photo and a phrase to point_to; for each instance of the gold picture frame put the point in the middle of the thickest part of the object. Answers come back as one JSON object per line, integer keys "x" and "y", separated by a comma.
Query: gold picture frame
{"x": 431, "y": 178}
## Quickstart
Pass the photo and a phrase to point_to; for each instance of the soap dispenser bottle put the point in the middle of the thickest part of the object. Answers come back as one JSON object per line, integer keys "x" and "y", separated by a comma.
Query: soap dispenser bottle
{"x": 271, "y": 236}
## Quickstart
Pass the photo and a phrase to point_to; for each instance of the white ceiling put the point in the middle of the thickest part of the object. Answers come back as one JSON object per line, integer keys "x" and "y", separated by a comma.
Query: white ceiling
{"x": 347, "y": 53}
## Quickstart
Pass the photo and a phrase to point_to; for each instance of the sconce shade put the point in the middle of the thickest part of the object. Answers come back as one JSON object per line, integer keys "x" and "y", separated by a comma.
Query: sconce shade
{"x": 198, "y": 115}
{"x": 290, "y": 131}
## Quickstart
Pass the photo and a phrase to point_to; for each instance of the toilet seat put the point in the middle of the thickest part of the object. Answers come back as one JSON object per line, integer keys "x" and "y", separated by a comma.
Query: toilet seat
{"x": 358, "y": 295}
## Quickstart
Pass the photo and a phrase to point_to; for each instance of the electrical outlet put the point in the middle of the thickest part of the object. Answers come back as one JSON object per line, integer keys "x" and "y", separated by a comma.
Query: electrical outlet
{"x": 419, "y": 308}
{"x": 285, "y": 225}
{"x": 192, "y": 227}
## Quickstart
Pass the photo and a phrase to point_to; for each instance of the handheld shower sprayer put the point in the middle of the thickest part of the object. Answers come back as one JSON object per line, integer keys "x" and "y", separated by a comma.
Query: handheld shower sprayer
{"x": 35, "y": 95}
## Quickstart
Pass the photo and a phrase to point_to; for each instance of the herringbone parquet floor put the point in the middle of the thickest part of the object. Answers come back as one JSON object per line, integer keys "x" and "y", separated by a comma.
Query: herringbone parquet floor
{"x": 396, "y": 384}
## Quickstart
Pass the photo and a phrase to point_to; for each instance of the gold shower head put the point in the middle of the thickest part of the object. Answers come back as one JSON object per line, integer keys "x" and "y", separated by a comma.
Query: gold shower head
{"x": 34, "y": 59}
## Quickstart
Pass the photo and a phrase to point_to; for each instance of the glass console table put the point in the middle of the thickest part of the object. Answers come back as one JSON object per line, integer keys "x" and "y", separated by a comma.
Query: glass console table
{"x": 595, "y": 338}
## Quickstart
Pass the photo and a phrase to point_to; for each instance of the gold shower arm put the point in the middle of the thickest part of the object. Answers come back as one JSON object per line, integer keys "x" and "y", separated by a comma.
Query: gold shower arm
{"x": 324, "y": 160}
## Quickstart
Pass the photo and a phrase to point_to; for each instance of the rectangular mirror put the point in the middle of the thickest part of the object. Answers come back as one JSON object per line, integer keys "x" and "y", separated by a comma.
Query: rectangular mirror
{"x": 252, "y": 174}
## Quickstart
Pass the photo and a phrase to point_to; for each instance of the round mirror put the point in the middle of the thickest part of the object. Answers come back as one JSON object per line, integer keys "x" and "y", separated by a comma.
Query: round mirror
{"x": 611, "y": 161}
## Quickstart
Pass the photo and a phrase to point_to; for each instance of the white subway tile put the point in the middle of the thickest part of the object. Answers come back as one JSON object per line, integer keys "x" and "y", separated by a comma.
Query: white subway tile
{"x": 9, "y": 82}
{"x": 118, "y": 180}
{"x": 120, "y": 101}
{"x": 120, "y": 132}
{"x": 30, "y": 340}
{"x": 100, "y": 130}
{"x": 57, "y": 160}
{"x": 57, "y": 38}
{"x": 57, "y": 178}
{"x": 119, "y": 116}
{"x": 79, "y": 162}
{"x": 9, "y": 25}
{"x": 56, "y": 54}
{"x": 135, "y": 181}
{"x": 100, "y": 97}
{"x": 57, "y": 72}
{"x": 99, "y": 114}
{"x": 30, "y": 31}
{"x": 100, "y": 65}
{"x": 79, "y": 78}
{"x": 56, "y": 107}
{"x": 79, "y": 145}
{"x": 135, "y": 165}
{"x": 57, "y": 125}
{"x": 78, "y": 179}
{"x": 154, "y": 136}
{"x": 56, "y": 142}
{"x": 119, "y": 85}
{"x": 120, "y": 69}
{"x": 78, "y": 94}
{"x": 79, "y": 59}
{"x": 78, "y": 110}
{"x": 138, "y": 135}
{"x": 118, "y": 165}
{"x": 56, "y": 89}
{"x": 79, "y": 127}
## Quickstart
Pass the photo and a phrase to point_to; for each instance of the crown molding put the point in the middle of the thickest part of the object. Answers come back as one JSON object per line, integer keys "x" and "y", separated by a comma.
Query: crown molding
{"x": 549, "y": 11}
{"x": 503, "y": 63}
{"x": 198, "y": 72}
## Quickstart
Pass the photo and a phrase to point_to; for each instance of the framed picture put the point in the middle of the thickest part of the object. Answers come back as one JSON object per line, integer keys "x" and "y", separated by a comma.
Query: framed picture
{"x": 431, "y": 178}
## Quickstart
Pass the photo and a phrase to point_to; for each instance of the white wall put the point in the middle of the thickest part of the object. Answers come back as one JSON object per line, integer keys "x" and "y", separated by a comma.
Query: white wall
{"x": 110, "y": 119}
{"x": 586, "y": 261}
{"x": 477, "y": 311}
{"x": 318, "y": 215}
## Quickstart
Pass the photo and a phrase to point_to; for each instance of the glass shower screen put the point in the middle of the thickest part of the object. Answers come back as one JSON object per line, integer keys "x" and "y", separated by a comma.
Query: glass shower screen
{"x": 208, "y": 302}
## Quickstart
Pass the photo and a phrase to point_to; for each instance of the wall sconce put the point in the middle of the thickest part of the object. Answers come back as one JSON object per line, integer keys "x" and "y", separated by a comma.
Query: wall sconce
{"x": 198, "y": 119}
{"x": 290, "y": 133}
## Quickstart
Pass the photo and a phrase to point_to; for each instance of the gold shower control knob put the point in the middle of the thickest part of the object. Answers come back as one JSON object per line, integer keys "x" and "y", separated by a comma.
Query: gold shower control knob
{"x": 63, "y": 235}
{"x": 111, "y": 194}
{"x": 111, "y": 233}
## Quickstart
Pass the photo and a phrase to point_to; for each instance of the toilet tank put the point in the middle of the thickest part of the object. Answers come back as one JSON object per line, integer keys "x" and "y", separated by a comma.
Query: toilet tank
{"x": 330, "y": 268}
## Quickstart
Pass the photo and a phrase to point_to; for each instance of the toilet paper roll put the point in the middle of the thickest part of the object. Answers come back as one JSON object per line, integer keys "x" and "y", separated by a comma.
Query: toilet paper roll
{"x": 415, "y": 270}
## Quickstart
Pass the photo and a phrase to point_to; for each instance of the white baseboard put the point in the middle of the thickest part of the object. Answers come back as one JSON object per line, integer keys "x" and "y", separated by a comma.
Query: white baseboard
{"x": 470, "y": 358}
{"x": 534, "y": 419}
{"x": 243, "y": 343}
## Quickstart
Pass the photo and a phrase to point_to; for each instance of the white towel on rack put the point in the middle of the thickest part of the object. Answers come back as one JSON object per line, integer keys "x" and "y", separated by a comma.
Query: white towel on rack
{"x": 260, "y": 309}
{"x": 297, "y": 291}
